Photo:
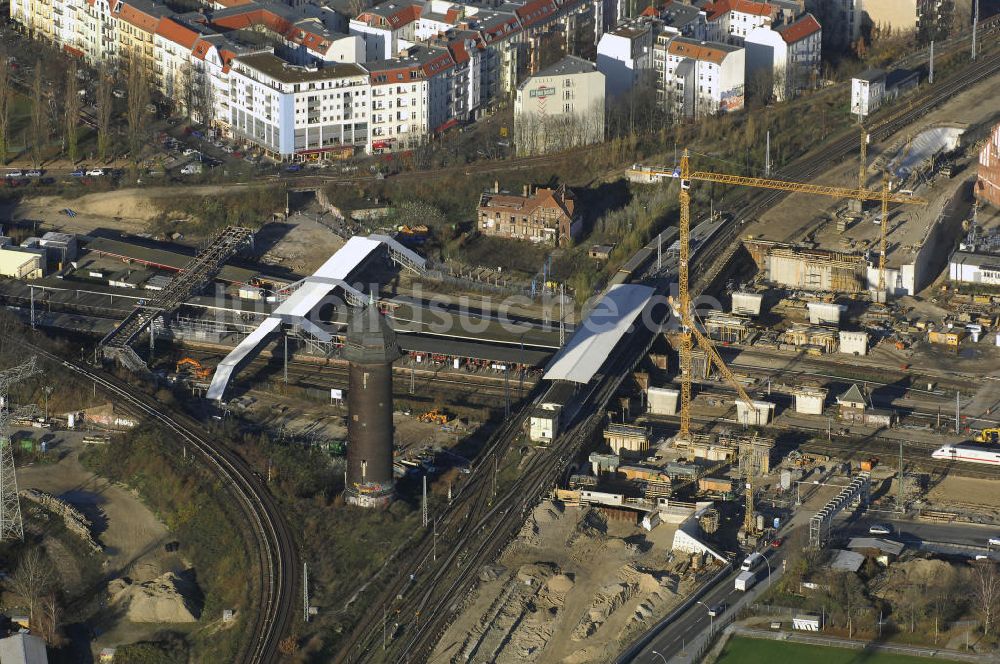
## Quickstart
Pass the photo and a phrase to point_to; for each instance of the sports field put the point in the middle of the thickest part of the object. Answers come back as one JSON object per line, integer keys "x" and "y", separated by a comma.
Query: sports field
{"x": 742, "y": 650}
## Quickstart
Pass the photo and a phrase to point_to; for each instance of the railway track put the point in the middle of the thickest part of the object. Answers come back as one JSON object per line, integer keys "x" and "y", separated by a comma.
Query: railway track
{"x": 274, "y": 549}
{"x": 481, "y": 526}
{"x": 471, "y": 533}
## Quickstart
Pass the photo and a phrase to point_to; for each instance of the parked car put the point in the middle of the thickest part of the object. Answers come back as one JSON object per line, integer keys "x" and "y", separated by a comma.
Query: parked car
{"x": 13, "y": 174}
{"x": 880, "y": 529}
{"x": 190, "y": 151}
{"x": 293, "y": 168}
{"x": 227, "y": 149}
{"x": 777, "y": 542}
{"x": 95, "y": 172}
{"x": 78, "y": 173}
{"x": 34, "y": 173}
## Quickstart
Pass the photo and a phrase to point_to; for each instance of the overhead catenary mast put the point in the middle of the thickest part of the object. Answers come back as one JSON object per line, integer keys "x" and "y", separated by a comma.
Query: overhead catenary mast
{"x": 11, "y": 525}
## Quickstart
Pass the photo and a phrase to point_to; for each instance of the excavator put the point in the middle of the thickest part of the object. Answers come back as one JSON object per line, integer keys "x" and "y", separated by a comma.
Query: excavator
{"x": 434, "y": 417}
{"x": 194, "y": 366}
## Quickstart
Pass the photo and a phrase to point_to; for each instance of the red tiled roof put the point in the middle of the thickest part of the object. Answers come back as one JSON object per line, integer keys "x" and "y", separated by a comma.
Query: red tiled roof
{"x": 391, "y": 75}
{"x": 438, "y": 64}
{"x": 137, "y": 17}
{"x": 802, "y": 28}
{"x": 458, "y": 52}
{"x": 177, "y": 33}
{"x": 201, "y": 49}
{"x": 720, "y": 7}
{"x": 700, "y": 51}
{"x": 275, "y": 23}
{"x": 535, "y": 11}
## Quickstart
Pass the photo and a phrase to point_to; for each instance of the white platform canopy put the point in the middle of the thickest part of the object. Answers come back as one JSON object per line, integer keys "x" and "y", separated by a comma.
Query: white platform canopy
{"x": 600, "y": 332}
{"x": 303, "y": 297}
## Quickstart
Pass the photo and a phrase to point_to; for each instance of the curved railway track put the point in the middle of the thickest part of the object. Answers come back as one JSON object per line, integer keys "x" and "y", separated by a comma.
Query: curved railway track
{"x": 274, "y": 551}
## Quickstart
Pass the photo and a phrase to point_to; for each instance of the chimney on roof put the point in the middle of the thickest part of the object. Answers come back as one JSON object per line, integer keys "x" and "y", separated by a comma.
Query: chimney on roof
{"x": 496, "y": 186}
{"x": 527, "y": 188}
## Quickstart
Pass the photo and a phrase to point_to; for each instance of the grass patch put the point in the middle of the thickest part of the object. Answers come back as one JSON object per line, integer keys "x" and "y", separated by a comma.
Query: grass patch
{"x": 741, "y": 650}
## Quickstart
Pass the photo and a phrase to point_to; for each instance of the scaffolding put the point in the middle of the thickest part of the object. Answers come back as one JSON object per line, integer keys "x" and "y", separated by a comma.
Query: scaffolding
{"x": 816, "y": 269}
{"x": 728, "y": 328}
{"x": 191, "y": 279}
{"x": 824, "y": 339}
{"x": 855, "y": 493}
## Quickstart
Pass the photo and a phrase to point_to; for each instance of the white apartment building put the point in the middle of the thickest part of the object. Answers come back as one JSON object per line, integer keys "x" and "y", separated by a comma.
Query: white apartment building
{"x": 296, "y": 112}
{"x": 387, "y": 28}
{"x": 560, "y": 107}
{"x": 625, "y": 56}
{"x": 696, "y": 78}
{"x": 411, "y": 97}
{"x": 731, "y": 20}
{"x": 788, "y": 56}
{"x": 867, "y": 92}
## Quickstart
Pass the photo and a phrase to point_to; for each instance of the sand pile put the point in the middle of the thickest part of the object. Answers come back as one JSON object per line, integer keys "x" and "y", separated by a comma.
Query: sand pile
{"x": 162, "y": 600}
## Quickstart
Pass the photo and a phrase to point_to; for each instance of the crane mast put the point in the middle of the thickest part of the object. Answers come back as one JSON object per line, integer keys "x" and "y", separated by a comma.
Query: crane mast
{"x": 689, "y": 331}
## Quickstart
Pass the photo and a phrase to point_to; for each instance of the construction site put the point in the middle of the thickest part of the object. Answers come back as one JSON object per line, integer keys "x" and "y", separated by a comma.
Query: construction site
{"x": 790, "y": 374}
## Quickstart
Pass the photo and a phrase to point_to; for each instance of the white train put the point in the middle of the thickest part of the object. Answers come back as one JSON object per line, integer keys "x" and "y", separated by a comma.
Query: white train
{"x": 969, "y": 453}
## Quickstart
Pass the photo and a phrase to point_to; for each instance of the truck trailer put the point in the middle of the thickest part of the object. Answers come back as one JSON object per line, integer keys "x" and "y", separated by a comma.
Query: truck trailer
{"x": 745, "y": 581}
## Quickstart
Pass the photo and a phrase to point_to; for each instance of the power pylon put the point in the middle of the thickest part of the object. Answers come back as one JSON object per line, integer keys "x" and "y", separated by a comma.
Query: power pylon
{"x": 11, "y": 524}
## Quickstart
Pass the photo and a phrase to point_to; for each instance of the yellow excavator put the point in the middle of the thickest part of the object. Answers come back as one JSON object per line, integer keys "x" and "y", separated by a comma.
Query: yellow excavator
{"x": 988, "y": 436}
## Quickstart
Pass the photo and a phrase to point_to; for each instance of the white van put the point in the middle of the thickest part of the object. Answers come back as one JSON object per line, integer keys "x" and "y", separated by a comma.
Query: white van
{"x": 752, "y": 561}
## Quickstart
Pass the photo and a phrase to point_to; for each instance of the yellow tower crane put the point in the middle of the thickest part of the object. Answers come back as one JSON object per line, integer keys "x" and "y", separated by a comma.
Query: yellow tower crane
{"x": 690, "y": 330}
{"x": 863, "y": 170}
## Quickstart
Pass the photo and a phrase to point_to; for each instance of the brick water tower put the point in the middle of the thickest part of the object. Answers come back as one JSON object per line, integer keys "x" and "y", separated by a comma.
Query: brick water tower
{"x": 370, "y": 347}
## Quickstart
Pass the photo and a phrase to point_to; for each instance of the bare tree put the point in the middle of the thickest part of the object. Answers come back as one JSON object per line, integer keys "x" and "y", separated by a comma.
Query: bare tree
{"x": 31, "y": 580}
{"x": 72, "y": 113}
{"x": 136, "y": 113}
{"x": 105, "y": 106}
{"x": 986, "y": 593}
{"x": 6, "y": 95}
{"x": 201, "y": 95}
{"x": 39, "y": 117}
{"x": 50, "y": 614}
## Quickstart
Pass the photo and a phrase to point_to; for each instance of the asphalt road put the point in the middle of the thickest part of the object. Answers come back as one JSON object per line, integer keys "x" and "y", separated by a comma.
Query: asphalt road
{"x": 673, "y": 641}
{"x": 923, "y": 534}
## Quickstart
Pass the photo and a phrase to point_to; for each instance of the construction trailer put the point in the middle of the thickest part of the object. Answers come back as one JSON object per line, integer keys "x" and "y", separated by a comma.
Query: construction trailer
{"x": 853, "y": 343}
{"x": 662, "y": 400}
{"x": 810, "y": 400}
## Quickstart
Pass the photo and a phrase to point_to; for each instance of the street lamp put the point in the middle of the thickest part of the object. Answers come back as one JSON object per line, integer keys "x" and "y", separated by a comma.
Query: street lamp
{"x": 660, "y": 655}
{"x": 711, "y": 618}
{"x": 768, "y": 563}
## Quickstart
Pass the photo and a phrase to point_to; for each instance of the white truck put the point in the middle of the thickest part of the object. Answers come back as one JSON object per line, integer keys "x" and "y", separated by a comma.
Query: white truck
{"x": 745, "y": 581}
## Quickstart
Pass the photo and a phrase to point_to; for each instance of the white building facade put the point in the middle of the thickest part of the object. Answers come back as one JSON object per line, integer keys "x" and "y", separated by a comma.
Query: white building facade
{"x": 294, "y": 112}
{"x": 867, "y": 92}
{"x": 699, "y": 78}
{"x": 559, "y": 108}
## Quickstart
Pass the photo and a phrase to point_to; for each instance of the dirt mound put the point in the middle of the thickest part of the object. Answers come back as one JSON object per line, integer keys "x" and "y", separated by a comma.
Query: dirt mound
{"x": 165, "y": 599}
{"x": 560, "y": 584}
